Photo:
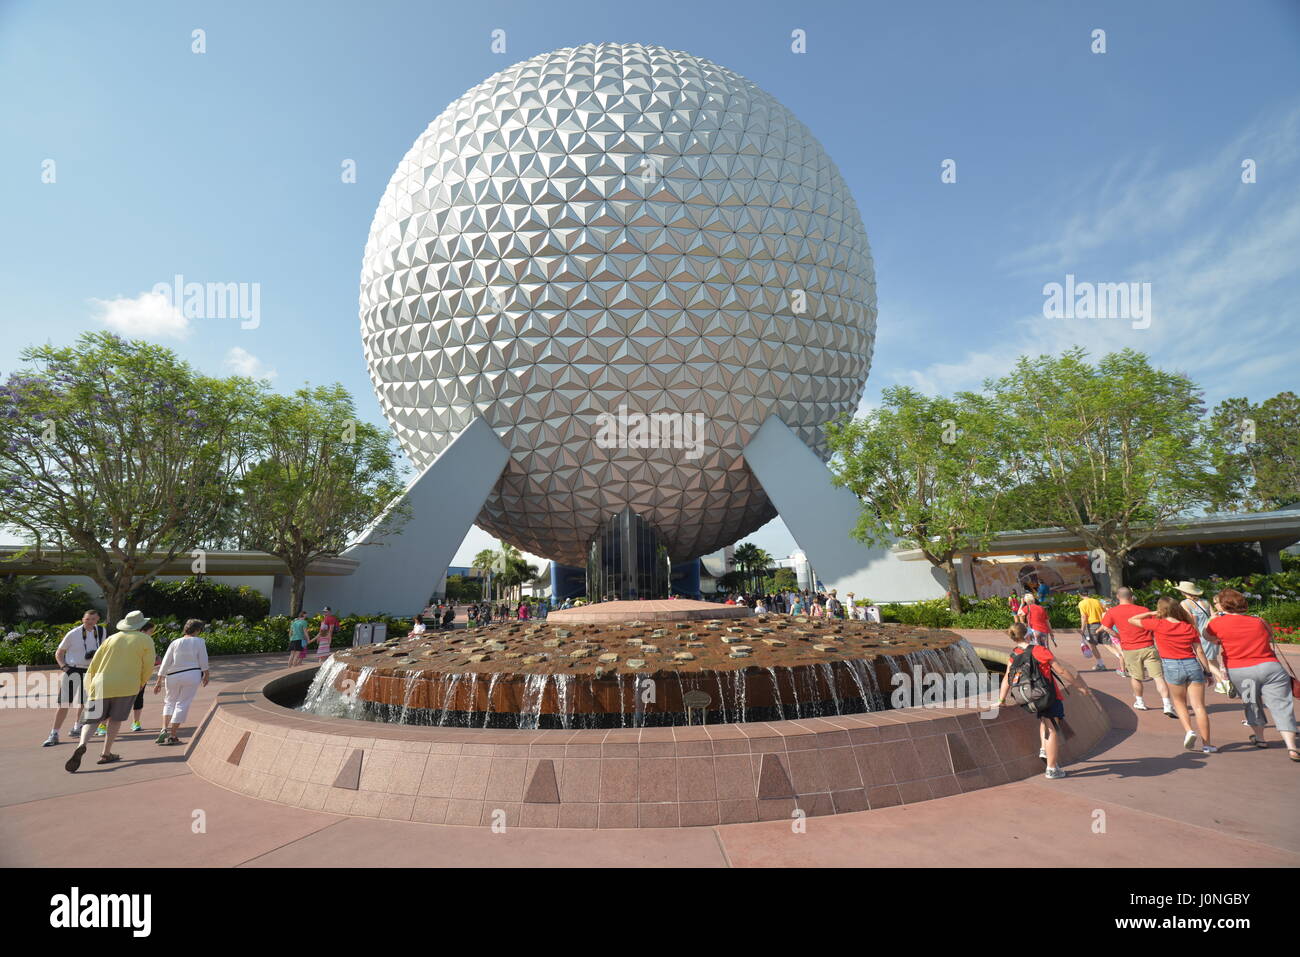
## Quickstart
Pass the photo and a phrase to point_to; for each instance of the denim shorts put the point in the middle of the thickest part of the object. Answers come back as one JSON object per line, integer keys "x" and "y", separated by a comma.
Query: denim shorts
{"x": 1182, "y": 671}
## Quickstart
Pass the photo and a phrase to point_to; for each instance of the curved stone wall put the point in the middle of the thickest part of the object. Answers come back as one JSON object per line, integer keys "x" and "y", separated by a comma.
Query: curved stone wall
{"x": 648, "y": 777}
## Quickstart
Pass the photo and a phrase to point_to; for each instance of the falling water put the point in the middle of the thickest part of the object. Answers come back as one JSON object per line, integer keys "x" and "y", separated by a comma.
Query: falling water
{"x": 449, "y": 697}
{"x": 794, "y": 688}
{"x": 722, "y": 697}
{"x": 622, "y": 704}
{"x": 322, "y": 686}
{"x": 776, "y": 690}
{"x": 828, "y": 675}
{"x": 563, "y": 683}
{"x": 638, "y": 699}
{"x": 530, "y": 709}
{"x": 739, "y": 699}
{"x": 487, "y": 708}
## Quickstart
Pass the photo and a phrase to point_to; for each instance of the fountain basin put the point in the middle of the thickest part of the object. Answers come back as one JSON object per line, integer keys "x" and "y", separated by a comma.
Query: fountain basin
{"x": 252, "y": 741}
{"x": 637, "y": 674}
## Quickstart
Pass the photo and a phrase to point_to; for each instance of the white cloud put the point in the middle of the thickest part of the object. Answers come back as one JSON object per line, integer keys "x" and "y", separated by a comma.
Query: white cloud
{"x": 149, "y": 315}
{"x": 242, "y": 362}
{"x": 1218, "y": 262}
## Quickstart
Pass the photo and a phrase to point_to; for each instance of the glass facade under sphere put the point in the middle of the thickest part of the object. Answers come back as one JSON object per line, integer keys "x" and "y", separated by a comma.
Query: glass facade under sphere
{"x": 627, "y": 561}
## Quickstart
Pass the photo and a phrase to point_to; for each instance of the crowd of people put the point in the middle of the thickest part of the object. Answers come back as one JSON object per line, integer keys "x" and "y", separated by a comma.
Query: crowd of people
{"x": 1183, "y": 646}
{"x": 104, "y": 680}
{"x": 442, "y": 616}
{"x": 814, "y": 604}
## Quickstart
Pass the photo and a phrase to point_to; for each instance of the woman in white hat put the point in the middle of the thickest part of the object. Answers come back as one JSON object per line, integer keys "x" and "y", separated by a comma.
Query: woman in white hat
{"x": 1195, "y": 605}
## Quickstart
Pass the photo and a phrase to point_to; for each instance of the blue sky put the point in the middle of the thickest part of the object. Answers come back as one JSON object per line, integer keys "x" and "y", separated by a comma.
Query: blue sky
{"x": 1115, "y": 167}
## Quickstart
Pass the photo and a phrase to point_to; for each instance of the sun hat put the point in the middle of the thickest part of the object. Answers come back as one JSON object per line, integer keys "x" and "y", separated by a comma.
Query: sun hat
{"x": 134, "y": 621}
{"x": 1189, "y": 588}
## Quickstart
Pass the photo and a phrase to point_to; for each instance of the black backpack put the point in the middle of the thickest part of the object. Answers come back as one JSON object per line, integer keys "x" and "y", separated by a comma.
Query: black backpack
{"x": 1029, "y": 687}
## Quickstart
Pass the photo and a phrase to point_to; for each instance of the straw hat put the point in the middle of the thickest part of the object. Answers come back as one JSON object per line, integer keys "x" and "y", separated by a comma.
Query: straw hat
{"x": 134, "y": 621}
{"x": 1189, "y": 588}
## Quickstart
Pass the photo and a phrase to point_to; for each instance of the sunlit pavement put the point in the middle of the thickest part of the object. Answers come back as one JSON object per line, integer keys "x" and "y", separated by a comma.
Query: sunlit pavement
{"x": 1138, "y": 800}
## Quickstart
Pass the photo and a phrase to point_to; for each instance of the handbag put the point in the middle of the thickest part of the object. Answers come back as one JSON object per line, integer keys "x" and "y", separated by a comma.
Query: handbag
{"x": 1295, "y": 682}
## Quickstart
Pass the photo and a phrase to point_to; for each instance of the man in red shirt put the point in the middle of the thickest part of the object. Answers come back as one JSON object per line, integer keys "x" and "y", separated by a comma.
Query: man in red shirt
{"x": 1141, "y": 660}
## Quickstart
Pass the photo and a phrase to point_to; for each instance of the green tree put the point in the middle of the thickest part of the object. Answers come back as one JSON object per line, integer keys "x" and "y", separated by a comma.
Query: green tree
{"x": 120, "y": 456}
{"x": 512, "y": 571}
{"x": 320, "y": 478}
{"x": 929, "y": 473}
{"x": 746, "y": 556}
{"x": 1256, "y": 450}
{"x": 784, "y": 579}
{"x": 1112, "y": 453}
{"x": 484, "y": 562}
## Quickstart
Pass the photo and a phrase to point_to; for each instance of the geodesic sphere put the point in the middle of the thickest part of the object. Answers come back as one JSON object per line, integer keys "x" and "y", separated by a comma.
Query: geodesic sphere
{"x": 616, "y": 225}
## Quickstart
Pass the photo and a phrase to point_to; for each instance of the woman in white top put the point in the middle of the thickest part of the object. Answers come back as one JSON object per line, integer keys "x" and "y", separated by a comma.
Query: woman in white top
{"x": 184, "y": 668}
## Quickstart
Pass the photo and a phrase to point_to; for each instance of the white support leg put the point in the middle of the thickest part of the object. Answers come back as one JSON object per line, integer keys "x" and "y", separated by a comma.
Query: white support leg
{"x": 398, "y": 572}
{"x": 821, "y": 517}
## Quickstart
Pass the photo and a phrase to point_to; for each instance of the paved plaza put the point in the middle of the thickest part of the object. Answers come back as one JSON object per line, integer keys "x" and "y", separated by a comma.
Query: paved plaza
{"x": 1160, "y": 806}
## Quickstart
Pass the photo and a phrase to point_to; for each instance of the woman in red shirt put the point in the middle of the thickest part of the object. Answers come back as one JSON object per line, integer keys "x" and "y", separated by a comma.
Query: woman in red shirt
{"x": 1040, "y": 627}
{"x": 1253, "y": 667}
{"x": 1184, "y": 665}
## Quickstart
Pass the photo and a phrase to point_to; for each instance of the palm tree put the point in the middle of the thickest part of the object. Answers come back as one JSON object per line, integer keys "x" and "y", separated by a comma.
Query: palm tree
{"x": 762, "y": 563}
{"x": 753, "y": 562}
{"x": 484, "y": 562}
{"x": 24, "y": 596}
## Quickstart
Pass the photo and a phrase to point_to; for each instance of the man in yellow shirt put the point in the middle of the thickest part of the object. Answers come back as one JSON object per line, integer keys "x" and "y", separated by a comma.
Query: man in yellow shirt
{"x": 1090, "y": 615}
{"x": 121, "y": 667}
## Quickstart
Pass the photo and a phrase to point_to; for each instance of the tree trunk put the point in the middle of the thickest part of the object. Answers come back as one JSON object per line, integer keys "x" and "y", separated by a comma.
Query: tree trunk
{"x": 298, "y": 591}
{"x": 115, "y": 594}
{"x": 1115, "y": 571}
{"x": 954, "y": 589}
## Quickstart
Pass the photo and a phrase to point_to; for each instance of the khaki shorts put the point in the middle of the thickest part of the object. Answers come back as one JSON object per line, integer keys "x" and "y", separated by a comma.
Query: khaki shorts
{"x": 1143, "y": 663}
{"x": 110, "y": 709}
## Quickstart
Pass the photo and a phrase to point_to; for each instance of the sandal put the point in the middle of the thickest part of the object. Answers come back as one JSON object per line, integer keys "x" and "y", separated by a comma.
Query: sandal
{"x": 1293, "y": 754}
{"x": 109, "y": 759}
{"x": 1258, "y": 743}
{"x": 173, "y": 740}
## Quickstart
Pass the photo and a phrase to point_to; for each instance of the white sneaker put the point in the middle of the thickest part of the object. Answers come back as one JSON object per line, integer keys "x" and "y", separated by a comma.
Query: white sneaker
{"x": 76, "y": 729}
{"x": 1189, "y": 741}
{"x": 1209, "y": 749}
{"x": 1042, "y": 753}
{"x": 1169, "y": 712}
{"x": 52, "y": 740}
{"x": 1055, "y": 773}
{"x": 1140, "y": 705}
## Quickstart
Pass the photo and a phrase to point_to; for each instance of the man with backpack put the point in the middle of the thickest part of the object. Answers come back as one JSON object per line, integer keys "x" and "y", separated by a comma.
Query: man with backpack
{"x": 1032, "y": 681}
{"x": 73, "y": 657}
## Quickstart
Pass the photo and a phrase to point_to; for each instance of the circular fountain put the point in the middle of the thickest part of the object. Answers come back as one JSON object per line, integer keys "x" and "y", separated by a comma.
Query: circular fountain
{"x": 636, "y": 673}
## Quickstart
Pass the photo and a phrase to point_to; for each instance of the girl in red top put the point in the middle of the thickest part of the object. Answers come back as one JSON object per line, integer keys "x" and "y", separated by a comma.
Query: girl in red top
{"x": 1184, "y": 664}
{"x": 1264, "y": 682}
{"x": 1054, "y": 671}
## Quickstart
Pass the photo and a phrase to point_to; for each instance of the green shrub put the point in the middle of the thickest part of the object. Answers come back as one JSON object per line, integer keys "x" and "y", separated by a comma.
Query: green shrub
{"x": 934, "y": 613}
{"x": 198, "y": 598}
{"x": 34, "y": 643}
{"x": 1280, "y": 613}
{"x": 984, "y": 613}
